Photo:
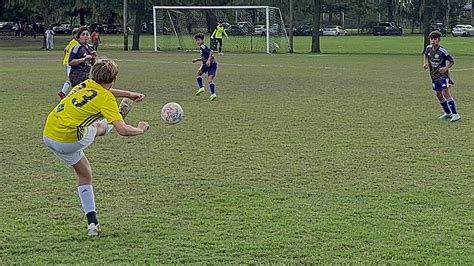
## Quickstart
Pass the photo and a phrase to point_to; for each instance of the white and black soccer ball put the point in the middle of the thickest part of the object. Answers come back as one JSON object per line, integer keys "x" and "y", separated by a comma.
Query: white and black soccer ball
{"x": 172, "y": 113}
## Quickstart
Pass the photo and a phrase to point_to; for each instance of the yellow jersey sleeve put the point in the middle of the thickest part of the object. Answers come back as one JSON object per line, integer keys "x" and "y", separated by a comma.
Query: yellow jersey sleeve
{"x": 67, "y": 50}
{"x": 110, "y": 110}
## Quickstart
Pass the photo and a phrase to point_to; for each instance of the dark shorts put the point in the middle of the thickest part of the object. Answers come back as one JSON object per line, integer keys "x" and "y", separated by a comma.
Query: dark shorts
{"x": 77, "y": 76}
{"x": 211, "y": 70}
{"x": 442, "y": 84}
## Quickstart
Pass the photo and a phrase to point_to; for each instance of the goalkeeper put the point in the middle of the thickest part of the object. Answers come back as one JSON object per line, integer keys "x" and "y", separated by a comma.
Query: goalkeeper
{"x": 217, "y": 35}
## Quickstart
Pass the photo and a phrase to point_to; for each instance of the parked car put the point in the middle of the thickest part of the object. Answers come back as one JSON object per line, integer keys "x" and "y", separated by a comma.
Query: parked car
{"x": 387, "y": 28}
{"x": 98, "y": 26}
{"x": 235, "y": 30}
{"x": 439, "y": 27}
{"x": 114, "y": 29}
{"x": 262, "y": 29}
{"x": 244, "y": 24}
{"x": 304, "y": 30}
{"x": 62, "y": 29}
{"x": 334, "y": 31}
{"x": 7, "y": 26}
{"x": 463, "y": 31}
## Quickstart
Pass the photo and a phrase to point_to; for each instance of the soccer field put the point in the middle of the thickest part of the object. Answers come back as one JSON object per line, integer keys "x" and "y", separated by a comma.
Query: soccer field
{"x": 333, "y": 158}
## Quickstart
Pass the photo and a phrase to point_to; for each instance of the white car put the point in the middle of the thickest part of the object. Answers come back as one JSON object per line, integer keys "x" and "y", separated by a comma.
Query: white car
{"x": 260, "y": 29}
{"x": 463, "y": 31}
{"x": 334, "y": 31}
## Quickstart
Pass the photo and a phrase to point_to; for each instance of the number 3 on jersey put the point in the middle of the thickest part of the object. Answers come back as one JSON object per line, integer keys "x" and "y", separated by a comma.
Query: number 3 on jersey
{"x": 85, "y": 98}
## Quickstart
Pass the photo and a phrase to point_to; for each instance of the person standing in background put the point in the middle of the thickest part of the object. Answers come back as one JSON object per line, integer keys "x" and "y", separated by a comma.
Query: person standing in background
{"x": 49, "y": 33}
{"x": 95, "y": 36}
{"x": 34, "y": 29}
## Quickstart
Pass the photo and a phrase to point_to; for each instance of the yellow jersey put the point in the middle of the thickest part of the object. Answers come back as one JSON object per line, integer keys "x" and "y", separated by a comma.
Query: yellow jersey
{"x": 68, "y": 49}
{"x": 85, "y": 104}
{"x": 218, "y": 32}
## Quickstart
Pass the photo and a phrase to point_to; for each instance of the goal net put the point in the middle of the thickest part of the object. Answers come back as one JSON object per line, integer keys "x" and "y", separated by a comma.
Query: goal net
{"x": 250, "y": 28}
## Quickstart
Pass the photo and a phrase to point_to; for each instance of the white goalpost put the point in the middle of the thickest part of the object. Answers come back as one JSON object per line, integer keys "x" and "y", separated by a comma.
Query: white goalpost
{"x": 250, "y": 28}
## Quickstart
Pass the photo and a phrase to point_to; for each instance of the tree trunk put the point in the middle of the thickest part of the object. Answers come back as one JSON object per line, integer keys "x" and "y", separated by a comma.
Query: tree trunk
{"x": 472, "y": 12}
{"x": 426, "y": 23}
{"x": 82, "y": 16}
{"x": 358, "y": 25}
{"x": 390, "y": 10}
{"x": 139, "y": 17}
{"x": 291, "y": 25}
{"x": 315, "y": 44}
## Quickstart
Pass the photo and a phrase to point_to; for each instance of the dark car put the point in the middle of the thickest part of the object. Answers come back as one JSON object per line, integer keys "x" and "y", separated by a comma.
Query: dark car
{"x": 7, "y": 26}
{"x": 439, "y": 27}
{"x": 303, "y": 30}
{"x": 98, "y": 26}
{"x": 387, "y": 28}
{"x": 235, "y": 30}
{"x": 114, "y": 29}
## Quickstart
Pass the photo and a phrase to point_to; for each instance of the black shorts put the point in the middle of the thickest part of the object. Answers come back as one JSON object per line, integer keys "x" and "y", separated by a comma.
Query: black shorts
{"x": 77, "y": 76}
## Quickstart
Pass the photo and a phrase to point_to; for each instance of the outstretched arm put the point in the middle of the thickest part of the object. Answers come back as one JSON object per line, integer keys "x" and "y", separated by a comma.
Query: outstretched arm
{"x": 127, "y": 130}
{"x": 135, "y": 96}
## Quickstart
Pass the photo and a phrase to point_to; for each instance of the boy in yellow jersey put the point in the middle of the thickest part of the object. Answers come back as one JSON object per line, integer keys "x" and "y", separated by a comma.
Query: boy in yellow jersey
{"x": 73, "y": 42}
{"x": 217, "y": 35}
{"x": 72, "y": 126}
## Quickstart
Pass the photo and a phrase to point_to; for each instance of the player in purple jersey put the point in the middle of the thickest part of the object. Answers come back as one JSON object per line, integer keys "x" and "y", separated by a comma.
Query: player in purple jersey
{"x": 209, "y": 66}
{"x": 439, "y": 61}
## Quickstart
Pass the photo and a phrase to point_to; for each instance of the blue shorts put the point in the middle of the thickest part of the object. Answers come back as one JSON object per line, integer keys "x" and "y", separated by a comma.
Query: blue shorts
{"x": 439, "y": 85}
{"x": 211, "y": 70}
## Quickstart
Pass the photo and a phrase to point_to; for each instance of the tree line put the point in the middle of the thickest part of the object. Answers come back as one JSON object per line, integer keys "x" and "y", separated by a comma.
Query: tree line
{"x": 359, "y": 14}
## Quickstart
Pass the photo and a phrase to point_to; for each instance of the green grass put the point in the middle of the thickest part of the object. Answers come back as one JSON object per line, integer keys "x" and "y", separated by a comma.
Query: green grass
{"x": 393, "y": 45}
{"x": 303, "y": 159}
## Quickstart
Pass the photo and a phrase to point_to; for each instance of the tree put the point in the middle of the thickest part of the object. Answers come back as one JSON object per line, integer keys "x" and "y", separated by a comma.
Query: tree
{"x": 291, "y": 24}
{"x": 82, "y": 7}
{"x": 139, "y": 8}
{"x": 425, "y": 9}
{"x": 315, "y": 41}
{"x": 390, "y": 10}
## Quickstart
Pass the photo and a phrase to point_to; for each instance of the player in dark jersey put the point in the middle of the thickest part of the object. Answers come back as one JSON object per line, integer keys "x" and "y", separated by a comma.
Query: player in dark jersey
{"x": 81, "y": 58}
{"x": 439, "y": 61}
{"x": 209, "y": 66}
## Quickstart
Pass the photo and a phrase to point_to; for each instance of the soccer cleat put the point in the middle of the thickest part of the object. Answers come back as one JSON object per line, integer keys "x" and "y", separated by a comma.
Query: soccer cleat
{"x": 125, "y": 107}
{"x": 445, "y": 117}
{"x": 221, "y": 53}
{"x": 455, "y": 118}
{"x": 198, "y": 92}
{"x": 212, "y": 97}
{"x": 93, "y": 230}
{"x": 61, "y": 95}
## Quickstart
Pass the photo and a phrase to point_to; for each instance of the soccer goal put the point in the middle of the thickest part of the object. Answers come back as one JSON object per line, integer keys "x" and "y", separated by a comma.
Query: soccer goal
{"x": 250, "y": 28}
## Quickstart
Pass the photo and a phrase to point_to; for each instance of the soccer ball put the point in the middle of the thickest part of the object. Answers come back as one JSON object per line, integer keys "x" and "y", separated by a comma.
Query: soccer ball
{"x": 172, "y": 113}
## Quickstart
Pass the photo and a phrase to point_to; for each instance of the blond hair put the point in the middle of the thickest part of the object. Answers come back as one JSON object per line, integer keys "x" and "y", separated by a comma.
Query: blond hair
{"x": 104, "y": 71}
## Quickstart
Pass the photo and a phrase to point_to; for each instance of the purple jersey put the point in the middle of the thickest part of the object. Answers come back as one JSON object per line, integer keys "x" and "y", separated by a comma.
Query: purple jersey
{"x": 205, "y": 53}
{"x": 437, "y": 59}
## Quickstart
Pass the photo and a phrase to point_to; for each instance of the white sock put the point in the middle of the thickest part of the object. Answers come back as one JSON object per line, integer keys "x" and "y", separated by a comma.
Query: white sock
{"x": 106, "y": 125}
{"x": 86, "y": 194}
{"x": 66, "y": 87}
